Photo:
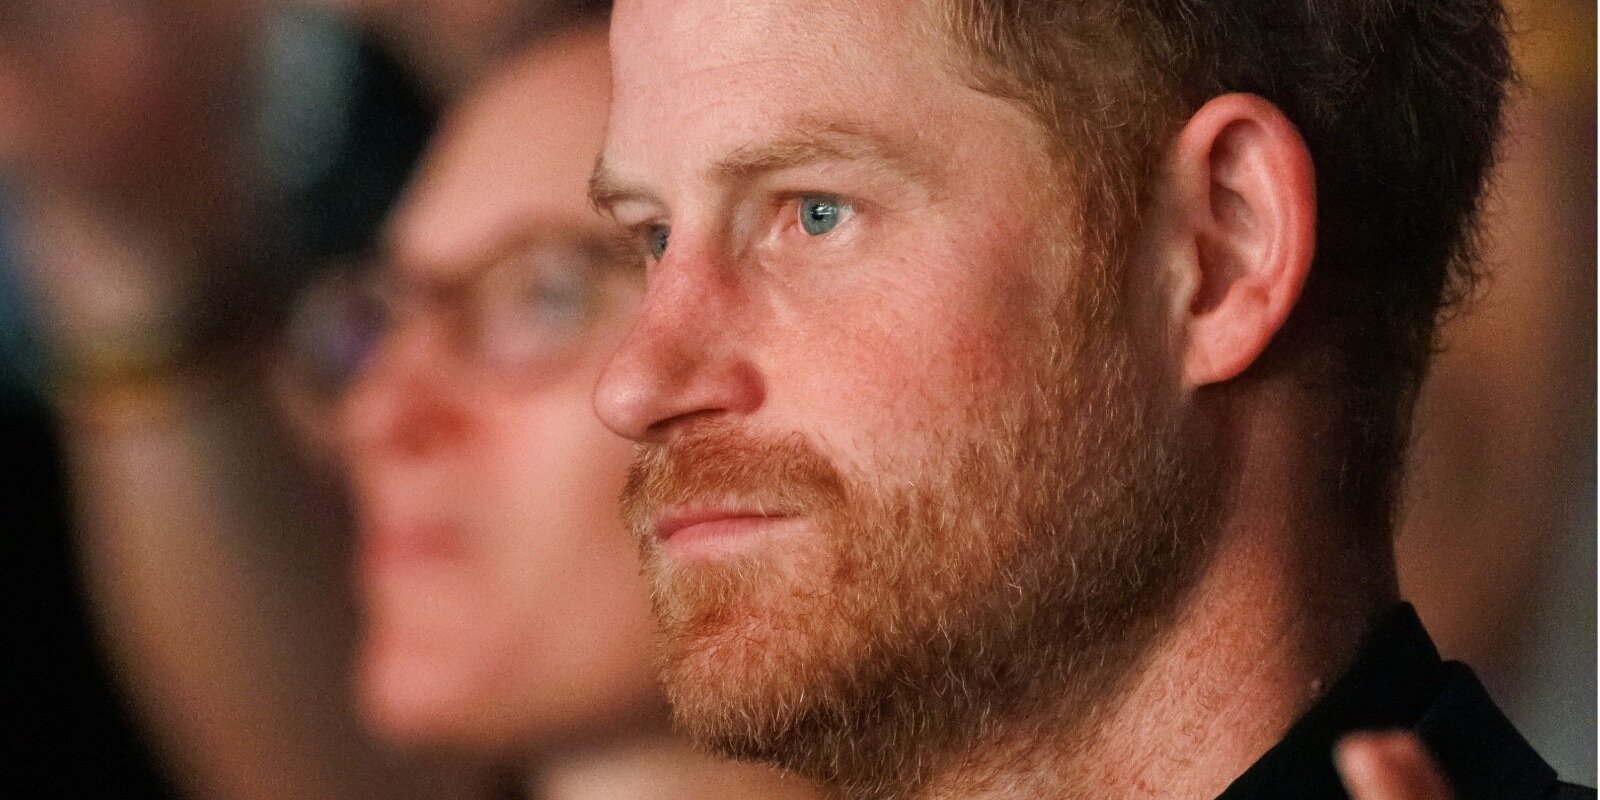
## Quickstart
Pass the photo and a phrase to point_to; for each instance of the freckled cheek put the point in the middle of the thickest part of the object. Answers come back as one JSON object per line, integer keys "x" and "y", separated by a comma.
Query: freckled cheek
{"x": 924, "y": 332}
{"x": 880, "y": 373}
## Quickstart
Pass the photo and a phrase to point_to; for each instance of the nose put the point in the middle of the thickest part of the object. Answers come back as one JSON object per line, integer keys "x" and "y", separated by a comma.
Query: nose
{"x": 406, "y": 402}
{"x": 685, "y": 357}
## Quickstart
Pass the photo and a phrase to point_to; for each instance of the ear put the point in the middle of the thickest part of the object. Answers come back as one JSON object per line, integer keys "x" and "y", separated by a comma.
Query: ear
{"x": 1240, "y": 233}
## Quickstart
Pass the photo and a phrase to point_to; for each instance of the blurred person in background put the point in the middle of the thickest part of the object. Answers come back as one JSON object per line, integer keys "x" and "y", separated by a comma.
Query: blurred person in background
{"x": 172, "y": 170}
{"x": 504, "y": 610}
{"x": 1497, "y": 534}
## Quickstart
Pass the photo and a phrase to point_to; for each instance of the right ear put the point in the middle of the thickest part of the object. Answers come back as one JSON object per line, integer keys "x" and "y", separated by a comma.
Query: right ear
{"x": 1234, "y": 232}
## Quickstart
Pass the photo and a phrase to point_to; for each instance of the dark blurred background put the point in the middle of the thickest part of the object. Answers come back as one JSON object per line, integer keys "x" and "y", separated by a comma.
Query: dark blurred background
{"x": 1497, "y": 543}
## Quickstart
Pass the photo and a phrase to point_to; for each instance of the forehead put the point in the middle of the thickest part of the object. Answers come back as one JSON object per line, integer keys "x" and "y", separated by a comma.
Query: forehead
{"x": 738, "y": 71}
{"x": 665, "y": 35}
{"x": 503, "y": 166}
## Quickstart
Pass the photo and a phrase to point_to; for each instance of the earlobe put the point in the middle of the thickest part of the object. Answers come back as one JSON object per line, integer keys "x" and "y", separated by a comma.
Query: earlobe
{"x": 1244, "y": 203}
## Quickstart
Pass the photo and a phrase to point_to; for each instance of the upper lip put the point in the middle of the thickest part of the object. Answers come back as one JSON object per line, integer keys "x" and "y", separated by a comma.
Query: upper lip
{"x": 676, "y": 520}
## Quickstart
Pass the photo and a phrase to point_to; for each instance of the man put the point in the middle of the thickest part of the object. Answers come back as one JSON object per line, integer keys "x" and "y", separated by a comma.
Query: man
{"x": 1021, "y": 386}
{"x": 504, "y": 613}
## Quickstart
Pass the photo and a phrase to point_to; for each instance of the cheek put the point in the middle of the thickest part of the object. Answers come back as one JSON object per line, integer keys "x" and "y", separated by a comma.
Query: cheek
{"x": 927, "y": 346}
{"x": 553, "y": 508}
{"x": 557, "y": 467}
{"x": 565, "y": 573}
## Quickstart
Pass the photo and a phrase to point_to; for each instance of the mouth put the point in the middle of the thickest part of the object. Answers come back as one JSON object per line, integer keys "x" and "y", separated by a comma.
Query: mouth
{"x": 707, "y": 532}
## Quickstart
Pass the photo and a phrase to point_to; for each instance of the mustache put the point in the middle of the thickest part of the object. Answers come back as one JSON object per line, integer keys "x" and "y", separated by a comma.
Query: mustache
{"x": 718, "y": 463}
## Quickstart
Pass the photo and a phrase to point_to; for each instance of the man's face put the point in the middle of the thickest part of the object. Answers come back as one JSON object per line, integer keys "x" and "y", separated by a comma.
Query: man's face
{"x": 503, "y": 603}
{"x": 902, "y": 467}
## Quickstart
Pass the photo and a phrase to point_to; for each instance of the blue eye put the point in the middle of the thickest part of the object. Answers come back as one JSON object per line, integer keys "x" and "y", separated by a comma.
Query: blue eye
{"x": 821, "y": 213}
{"x": 656, "y": 243}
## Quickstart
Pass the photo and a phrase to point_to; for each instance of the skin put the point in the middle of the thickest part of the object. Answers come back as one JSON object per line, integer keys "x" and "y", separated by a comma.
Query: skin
{"x": 1389, "y": 766}
{"x": 902, "y": 319}
{"x": 503, "y": 608}
{"x": 737, "y": 319}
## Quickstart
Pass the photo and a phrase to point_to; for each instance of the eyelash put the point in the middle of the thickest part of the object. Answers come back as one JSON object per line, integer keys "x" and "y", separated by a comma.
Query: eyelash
{"x": 643, "y": 236}
{"x": 790, "y": 209}
{"x": 792, "y": 206}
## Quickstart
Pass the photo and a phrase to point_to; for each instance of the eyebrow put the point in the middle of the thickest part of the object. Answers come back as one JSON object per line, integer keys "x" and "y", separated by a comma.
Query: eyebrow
{"x": 607, "y": 190}
{"x": 818, "y": 144}
{"x": 797, "y": 148}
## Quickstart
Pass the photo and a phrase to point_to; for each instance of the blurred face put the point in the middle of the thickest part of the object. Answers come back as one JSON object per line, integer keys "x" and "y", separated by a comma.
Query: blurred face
{"x": 903, "y": 471}
{"x": 503, "y": 604}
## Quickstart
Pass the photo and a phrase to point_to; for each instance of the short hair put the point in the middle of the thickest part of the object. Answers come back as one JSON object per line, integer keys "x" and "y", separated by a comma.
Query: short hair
{"x": 1399, "y": 103}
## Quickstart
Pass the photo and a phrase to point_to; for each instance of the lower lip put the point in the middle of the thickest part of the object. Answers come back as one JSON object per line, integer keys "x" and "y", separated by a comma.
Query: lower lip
{"x": 721, "y": 536}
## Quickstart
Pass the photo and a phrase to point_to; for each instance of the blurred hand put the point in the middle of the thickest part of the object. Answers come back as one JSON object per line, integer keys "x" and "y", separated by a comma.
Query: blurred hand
{"x": 1388, "y": 766}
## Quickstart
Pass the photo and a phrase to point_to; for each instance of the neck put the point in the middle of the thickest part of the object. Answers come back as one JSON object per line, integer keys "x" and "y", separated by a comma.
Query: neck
{"x": 1275, "y": 617}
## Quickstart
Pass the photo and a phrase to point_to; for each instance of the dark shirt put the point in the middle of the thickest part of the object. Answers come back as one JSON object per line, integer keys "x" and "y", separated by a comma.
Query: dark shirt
{"x": 1398, "y": 682}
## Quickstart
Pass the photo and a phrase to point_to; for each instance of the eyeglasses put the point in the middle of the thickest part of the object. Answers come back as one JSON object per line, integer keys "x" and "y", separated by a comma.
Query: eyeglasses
{"x": 512, "y": 317}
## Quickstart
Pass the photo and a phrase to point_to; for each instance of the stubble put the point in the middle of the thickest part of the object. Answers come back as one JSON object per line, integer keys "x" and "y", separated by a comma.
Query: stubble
{"x": 1018, "y": 572}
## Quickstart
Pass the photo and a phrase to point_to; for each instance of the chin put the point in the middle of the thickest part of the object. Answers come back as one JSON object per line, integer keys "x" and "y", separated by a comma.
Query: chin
{"x": 424, "y": 700}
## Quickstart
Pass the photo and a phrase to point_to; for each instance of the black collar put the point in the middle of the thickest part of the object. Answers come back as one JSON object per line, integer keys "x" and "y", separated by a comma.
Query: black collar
{"x": 1399, "y": 682}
